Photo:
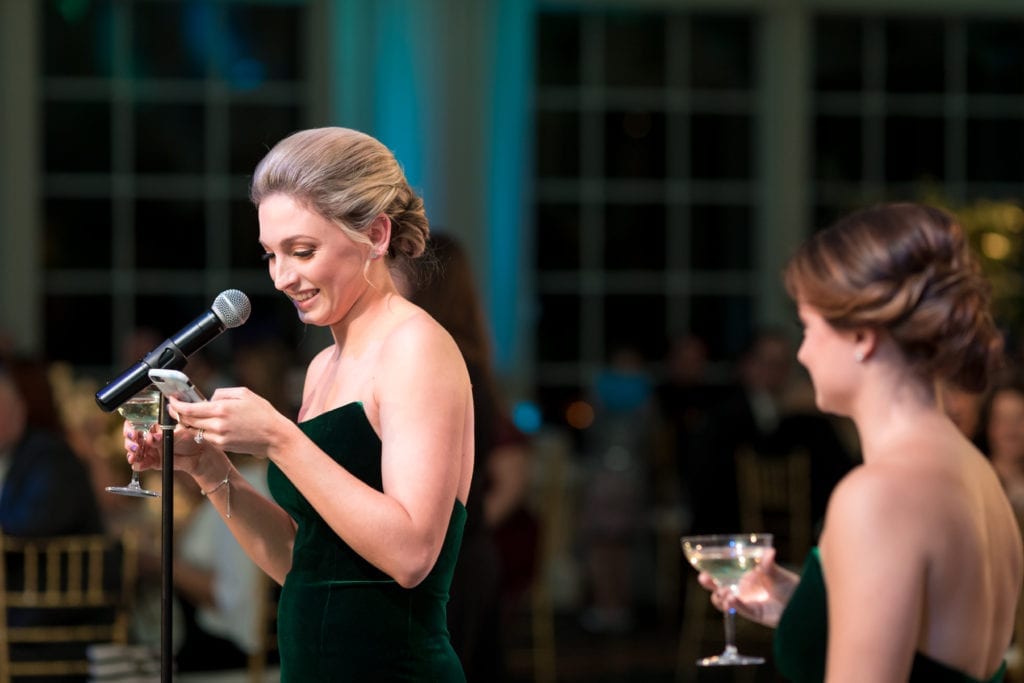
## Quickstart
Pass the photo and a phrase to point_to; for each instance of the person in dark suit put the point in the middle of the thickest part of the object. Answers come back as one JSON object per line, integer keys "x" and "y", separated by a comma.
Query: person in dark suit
{"x": 748, "y": 414}
{"x": 44, "y": 486}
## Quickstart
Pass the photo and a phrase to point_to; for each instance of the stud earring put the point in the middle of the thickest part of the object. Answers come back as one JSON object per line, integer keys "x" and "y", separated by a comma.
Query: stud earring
{"x": 859, "y": 356}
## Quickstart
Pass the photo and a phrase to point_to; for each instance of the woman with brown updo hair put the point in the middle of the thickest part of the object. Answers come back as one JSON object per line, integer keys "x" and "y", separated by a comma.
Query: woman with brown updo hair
{"x": 920, "y": 552}
{"x": 370, "y": 486}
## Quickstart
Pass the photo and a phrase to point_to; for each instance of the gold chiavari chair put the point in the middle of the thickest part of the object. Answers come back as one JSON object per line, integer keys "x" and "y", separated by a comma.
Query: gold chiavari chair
{"x": 67, "y": 592}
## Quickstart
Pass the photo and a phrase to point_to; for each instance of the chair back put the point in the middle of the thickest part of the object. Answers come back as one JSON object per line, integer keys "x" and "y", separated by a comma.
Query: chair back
{"x": 775, "y": 496}
{"x": 268, "y": 593}
{"x": 57, "y": 596}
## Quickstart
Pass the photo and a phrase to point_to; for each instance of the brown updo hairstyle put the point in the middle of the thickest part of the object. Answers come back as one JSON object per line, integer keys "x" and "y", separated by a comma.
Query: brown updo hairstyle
{"x": 906, "y": 269}
{"x": 348, "y": 178}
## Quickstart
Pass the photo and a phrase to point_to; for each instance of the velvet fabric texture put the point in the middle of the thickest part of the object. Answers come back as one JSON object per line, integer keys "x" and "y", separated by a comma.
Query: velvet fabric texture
{"x": 339, "y": 617}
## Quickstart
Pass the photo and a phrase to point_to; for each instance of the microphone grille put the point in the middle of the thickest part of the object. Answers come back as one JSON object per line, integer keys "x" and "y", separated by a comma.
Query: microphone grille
{"x": 232, "y": 307}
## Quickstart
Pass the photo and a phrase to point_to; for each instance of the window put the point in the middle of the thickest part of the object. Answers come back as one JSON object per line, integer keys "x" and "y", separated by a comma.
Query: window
{"x": 151, "y": 132}
{"x": 645, "y": 188}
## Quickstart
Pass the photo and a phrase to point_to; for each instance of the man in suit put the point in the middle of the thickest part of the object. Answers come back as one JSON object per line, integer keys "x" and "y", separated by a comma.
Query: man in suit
{"x": 747, "y": 414}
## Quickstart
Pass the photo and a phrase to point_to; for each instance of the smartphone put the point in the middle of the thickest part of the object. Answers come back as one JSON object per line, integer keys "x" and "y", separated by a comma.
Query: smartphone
{"x": 177, "y": 384}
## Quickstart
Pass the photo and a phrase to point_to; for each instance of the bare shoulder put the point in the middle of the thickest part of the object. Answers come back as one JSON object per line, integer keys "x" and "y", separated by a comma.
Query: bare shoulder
{"x": 320, "y": 359}
{"x": 418, "y": 332}
{"x": 878, "y": 495}
{"x": 873, "y": 484}
{"x": 418, "y": 343}
{"x": 316, "y": 367}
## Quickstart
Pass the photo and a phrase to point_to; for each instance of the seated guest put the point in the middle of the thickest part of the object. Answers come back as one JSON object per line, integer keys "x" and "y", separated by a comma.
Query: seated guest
{"x": 44, "y": 486}
{"x": 45, "y": 489}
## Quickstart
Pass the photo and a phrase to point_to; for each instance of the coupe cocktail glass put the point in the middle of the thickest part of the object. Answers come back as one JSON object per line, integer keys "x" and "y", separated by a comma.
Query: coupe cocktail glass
{"x": 727, "y": 557}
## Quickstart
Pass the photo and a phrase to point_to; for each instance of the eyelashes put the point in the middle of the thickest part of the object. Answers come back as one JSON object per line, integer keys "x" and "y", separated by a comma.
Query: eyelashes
{"x": 303, "y": 254}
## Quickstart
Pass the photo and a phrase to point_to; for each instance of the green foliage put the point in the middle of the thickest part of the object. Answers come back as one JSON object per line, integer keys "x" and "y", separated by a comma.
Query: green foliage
{"x": 996, "y": 233}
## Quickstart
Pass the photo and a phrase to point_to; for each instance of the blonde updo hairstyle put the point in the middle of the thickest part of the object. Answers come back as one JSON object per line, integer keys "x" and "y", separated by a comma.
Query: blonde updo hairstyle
{"x": 906, "y": 269}
{"x": 348, "y": 178}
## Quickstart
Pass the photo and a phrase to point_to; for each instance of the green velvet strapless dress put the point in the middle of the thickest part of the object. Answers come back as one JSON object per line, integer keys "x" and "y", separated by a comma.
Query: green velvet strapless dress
{"x": 802, "y": 634}
{"x": 339, "y": 617}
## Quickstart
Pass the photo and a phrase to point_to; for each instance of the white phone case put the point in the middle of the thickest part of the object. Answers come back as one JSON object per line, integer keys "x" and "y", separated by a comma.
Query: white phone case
{"x": 177, "y": 384}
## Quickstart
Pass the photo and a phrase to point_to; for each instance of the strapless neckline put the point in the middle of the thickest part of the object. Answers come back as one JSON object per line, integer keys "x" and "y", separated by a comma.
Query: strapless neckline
{"x": 338, "y": 409}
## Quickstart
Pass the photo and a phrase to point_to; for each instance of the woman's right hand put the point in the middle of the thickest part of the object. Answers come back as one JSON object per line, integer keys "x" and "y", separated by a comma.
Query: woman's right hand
{"x": 145, "y": 449}
{"x": 762, "y": 593}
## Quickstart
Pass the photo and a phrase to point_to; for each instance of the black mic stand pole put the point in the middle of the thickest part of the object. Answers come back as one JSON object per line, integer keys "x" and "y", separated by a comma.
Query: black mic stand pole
{"x": 166, "y": 544}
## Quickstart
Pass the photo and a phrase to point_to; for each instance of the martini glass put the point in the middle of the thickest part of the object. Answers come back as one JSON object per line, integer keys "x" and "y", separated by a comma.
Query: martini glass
{"x": 142, "y": 411}
{"x": 727, "y": 557}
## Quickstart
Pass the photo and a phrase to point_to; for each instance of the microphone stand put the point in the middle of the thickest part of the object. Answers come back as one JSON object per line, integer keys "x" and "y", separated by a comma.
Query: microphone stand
{"x": 166, "y": 544}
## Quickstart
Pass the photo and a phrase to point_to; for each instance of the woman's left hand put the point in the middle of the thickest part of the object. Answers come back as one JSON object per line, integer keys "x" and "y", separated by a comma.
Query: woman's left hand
{"x": 234, "y": 419}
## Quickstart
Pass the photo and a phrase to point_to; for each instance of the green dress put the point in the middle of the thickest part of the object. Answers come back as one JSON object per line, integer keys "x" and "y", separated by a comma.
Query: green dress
{"x": 802, "y": 634}
{"x": 339, "y": 617}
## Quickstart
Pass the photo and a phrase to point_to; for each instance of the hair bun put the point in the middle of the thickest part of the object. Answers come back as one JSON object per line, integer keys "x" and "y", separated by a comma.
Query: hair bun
{"x": 907, "y": 269}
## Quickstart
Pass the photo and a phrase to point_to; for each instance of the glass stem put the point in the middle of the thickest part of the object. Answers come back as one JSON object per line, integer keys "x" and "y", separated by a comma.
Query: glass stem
{"x": 729, "y": 619}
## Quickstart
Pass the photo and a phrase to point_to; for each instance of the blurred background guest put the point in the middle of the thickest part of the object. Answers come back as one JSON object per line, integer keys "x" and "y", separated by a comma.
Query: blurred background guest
{"x": 748, "y": 415}
{"x": 1003, "y": 424}
{"x": 964, "y": 409}
{"x": 46, "y": 487}
{"x": 218, "y": 587}
{"x": 617, "y": 467}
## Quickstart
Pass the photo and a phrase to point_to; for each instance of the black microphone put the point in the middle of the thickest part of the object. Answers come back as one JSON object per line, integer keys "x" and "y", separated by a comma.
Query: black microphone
{"x": 231, "y": 308}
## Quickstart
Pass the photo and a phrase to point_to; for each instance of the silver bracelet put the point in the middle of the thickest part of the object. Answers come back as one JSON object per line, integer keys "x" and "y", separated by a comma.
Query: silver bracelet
{"x": 226, "y": 481}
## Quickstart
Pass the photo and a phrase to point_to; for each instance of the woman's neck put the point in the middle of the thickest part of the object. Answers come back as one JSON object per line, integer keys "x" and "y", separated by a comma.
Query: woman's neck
{"x": 893, "y": 408}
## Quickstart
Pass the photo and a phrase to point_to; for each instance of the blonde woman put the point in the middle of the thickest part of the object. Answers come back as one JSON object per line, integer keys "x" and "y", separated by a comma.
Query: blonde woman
{"x": 370, "y": 485}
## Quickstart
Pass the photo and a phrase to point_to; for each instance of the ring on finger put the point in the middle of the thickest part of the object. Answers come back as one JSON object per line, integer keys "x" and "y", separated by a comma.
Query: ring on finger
{"x": 199, "y": 436}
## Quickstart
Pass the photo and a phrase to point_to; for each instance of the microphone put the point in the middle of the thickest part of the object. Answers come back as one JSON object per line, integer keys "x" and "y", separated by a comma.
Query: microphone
{"x": 231, "y": 308}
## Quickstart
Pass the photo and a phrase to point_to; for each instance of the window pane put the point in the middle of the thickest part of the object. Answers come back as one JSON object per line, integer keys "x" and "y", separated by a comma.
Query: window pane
{"x": 724, "y": 321}
{"x": 720, "y": 146}
{"x": 67, "y": 148}
{"x": 558, "y": 328}
{"x": 171, "y": 40}
{"x": 722, "y": 52}
{"x": 634, "y": 144}
{"x": 837, "y": 148}
{"x": 558, "y": 144}
{"x": 67, "y": 316}
{"x": 77, "y": 233}
{"x": 989, "y": 142}
{"x": 267, "y": 43}
{"x": 254, "y": 128}
{"x": 995, "y": 56}
{"x": 168, "y": 313}
{"x": 634, "y": 50}
{"x": 77, "y": 36}
{"x": 246, "y": 251}
{"x": 837, "y": 53}
{"x": 170, "y": 138}
{"x": 914, "y": 148}
{"x": 558, "y": 49}
{"x": 558, "y": 232}
{"x": 915, "y": 55}
{"x": 722, "y": 237}
{"x": 827, "y": 214}
{"x": 635, "y": 237}
{"x": 170, "y": 234}
{"x": 636, "y": 321}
